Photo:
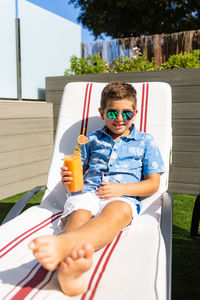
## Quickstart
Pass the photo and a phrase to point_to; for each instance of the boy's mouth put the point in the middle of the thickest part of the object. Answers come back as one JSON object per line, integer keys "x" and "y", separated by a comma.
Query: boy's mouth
{"x": 118, "y": 125}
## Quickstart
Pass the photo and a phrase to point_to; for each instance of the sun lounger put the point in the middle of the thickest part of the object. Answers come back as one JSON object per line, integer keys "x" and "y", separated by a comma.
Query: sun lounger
{"x": 137, "y": 264}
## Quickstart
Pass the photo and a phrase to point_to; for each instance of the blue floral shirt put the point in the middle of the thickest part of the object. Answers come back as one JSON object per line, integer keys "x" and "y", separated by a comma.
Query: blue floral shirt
{"x": 125, "y": 161}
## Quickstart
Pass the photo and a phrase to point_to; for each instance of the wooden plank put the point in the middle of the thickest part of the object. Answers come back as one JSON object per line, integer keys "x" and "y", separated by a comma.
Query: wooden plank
{"x": 186, "y": 143}
{"x": 54, "y": 96}
{"x": 25, "y": 109}
{"x": 182, "y": 188}
{"x": 186, "y": 159}
{"x": 175, "y": 77}
{"x": 55, "y": 123}
{"x": 25, "y": 141}
{"x": 22, "y": 186}
{"x": 185, "y": 175}
{"x": 186, "y": 111}
{"x": 56, "y": 110}
{"x": 183, "y": 94}
{"x": 56, "y": 83}
{"x": 186, "y": 127}
{"x": 186, "y": 94}
{"x": 23, "y": 172}
{"x": 25, "y": 156}
{"x": 22, "y": 126}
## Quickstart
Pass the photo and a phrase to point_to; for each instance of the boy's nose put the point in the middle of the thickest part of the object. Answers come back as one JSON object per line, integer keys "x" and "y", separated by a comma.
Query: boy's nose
{"x": 119, "y": 117}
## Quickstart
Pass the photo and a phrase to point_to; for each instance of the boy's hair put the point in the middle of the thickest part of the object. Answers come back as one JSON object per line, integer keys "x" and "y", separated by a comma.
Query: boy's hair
{"x": 118, "y": 90}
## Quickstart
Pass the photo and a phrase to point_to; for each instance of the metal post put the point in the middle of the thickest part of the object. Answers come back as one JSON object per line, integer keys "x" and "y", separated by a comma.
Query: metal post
{"x": 18, "y": 56}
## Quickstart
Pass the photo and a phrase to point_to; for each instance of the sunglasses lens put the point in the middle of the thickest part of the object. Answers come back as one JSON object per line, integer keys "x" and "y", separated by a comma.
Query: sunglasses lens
{"x": 128, "y": 115}
{"x": 112, "y": 114}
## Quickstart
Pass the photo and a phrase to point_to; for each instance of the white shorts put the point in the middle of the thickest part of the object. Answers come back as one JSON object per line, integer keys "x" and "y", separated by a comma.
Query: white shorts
{"x": 91, "y": 202}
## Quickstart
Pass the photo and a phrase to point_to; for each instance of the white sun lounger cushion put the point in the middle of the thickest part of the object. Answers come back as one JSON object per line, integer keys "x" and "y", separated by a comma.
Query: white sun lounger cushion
{"x": 133, "y": 266}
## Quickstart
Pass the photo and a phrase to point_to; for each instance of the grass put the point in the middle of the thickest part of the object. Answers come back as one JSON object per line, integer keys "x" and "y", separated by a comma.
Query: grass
{"x": 186, "y": 250}
{"x": 7, "y": 204}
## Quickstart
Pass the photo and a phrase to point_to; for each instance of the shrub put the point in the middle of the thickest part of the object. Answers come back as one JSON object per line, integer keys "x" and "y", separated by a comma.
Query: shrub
{"x": 130, "y": 64}
{"x": 90, "y": 65}
{"x": 182, "y": 61}
{"x": 139, "y": 62}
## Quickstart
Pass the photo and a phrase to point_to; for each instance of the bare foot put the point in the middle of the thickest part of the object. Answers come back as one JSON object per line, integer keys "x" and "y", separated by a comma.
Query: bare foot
{"x": 51, "y": 250}
{"x": 71, "y": 274}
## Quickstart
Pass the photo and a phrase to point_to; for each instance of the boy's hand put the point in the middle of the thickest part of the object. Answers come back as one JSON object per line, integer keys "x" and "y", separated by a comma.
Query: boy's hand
{"x": 66, "y": 176}
{"x": 109, "y": 190}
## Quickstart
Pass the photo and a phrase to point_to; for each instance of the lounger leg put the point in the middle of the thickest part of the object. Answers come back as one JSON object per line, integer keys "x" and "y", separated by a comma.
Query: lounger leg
{"x": 166, "y": 228}
{"x": 195, "y": 218}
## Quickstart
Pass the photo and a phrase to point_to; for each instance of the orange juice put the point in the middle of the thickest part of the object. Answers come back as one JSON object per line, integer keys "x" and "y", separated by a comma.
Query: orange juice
{"x": 74, "y": 164}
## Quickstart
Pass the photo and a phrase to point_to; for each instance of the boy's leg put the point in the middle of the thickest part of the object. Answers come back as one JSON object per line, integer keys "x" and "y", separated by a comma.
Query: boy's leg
{"x": 71, "y": 274}
{"x": 76, "y": 219}
{"x": 99, "y": 231}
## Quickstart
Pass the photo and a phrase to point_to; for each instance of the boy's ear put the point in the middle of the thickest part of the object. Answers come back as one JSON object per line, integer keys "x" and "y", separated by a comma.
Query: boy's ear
{"x": 101, "y": 113}
{"x": 136, "y": 112}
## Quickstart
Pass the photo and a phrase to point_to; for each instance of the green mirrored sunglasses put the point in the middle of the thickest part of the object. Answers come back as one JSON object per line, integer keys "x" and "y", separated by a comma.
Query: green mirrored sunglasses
{"x": 126, "y": 114}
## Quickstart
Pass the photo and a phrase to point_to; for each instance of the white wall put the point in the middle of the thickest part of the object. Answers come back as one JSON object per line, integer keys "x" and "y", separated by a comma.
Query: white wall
{"x": 47, "y": 42}
{"x": 8, "y": 72}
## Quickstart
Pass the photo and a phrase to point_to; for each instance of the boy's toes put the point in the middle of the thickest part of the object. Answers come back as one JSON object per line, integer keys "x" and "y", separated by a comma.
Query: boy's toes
{"x": 81, "y": 253}
{"x": 68, "y": 261}
{"x": 89, "y": 249}
{"x": 49, "y": 265}
{"x": 38, "y": 242}
{"x": 74, "y": 254}
{"x": 32, "y": 245}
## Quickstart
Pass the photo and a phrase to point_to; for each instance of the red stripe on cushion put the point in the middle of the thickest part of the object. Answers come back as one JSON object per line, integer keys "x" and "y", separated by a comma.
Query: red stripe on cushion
{"x": 20, "y": 282}
{"x": 104, "y": 266}
{"x": 88, "y": 108}
{"x": 43, "y": 285}
{"x": 53, "y": 219}
{"x": 84, "y": 107}
{"x": 95, "y": 271}
{"x": 142, "y": 106}
{"x": 146, "y": 107}
{"x": 28, "y": 231}
{"x": 31, "y": 284}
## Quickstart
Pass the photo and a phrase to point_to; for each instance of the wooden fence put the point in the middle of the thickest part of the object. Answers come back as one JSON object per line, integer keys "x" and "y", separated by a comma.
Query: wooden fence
{"x": 26, "y": 142}
{"x": 160, "y": 46}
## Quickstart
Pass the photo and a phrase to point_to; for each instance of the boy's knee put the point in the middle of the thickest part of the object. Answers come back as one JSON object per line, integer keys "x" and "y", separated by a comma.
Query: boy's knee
{"x": 123, "y": 209}
{"x": 82, "y": 215}
{"x": 127, "y": 210}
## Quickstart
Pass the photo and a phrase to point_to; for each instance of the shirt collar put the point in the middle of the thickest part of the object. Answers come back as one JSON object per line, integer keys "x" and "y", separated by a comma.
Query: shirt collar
{"x": 134, "y": 133}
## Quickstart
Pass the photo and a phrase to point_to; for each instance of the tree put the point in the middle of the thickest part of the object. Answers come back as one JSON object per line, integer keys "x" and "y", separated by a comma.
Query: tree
{"x": 126, "y": 18}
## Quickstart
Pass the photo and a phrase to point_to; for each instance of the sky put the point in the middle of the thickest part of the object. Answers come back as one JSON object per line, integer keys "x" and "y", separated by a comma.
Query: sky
{"x": 63, "y": 9}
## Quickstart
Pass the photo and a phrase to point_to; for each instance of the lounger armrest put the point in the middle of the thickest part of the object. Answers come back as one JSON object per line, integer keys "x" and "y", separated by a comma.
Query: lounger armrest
{"x": 18, "y": 207}
{"x": 166, "y": 229}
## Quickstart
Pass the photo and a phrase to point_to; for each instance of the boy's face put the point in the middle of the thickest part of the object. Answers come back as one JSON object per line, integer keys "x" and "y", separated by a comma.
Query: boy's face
{"x": 120, "y": 112}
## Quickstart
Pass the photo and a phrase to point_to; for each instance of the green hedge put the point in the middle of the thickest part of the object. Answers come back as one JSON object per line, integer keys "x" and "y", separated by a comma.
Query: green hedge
{"x": 94, "y": 64}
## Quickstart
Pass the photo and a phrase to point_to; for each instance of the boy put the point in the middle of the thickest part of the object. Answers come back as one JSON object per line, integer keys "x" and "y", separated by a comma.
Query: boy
{"x": 120, "y": 164}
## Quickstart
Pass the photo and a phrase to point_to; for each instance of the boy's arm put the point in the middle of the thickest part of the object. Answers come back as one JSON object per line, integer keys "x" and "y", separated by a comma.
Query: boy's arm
{"x": 146, "y": 187}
